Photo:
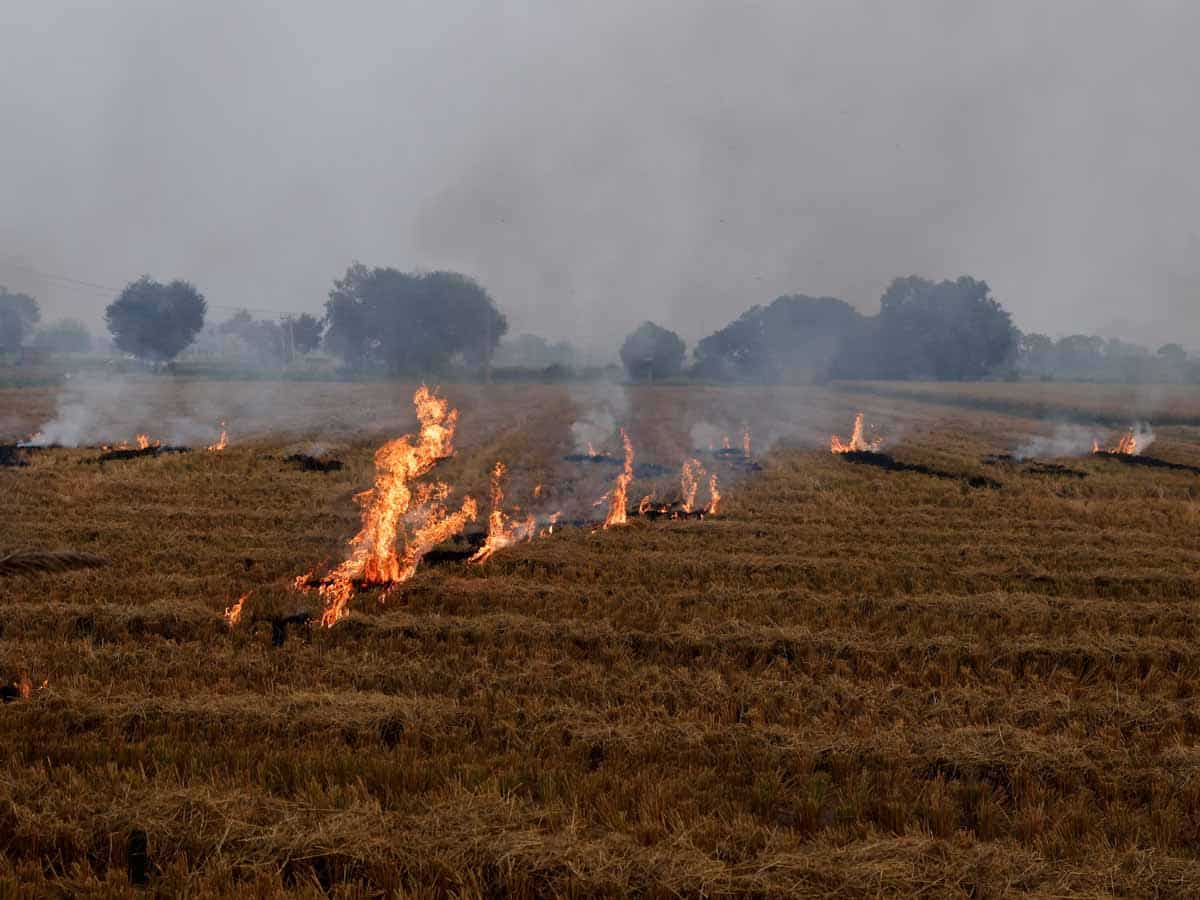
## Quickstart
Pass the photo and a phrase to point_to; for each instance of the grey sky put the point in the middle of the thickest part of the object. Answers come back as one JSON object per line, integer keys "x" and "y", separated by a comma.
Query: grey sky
{"x": 597, "y": 164}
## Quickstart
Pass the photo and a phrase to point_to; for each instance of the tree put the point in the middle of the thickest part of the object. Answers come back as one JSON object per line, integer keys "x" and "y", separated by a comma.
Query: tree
{"x": 262, "y": 342}
{"x": 18, "y": 314}
{"x": 306, "y": 332}
{"x": 652, "y": 353}
{"x": 155, "y": 321}
{"x": 1172, "y": 355}
{"x": 411, "y": 322}
{"x": 943, "y": 330}
{"x": 794, "y": 338}
{"x": 64, "y": 336}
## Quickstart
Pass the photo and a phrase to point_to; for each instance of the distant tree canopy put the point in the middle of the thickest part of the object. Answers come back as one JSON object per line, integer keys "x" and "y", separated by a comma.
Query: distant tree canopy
{"x": 1084, "y": 357}
{"x": 155, "y": 321}
{"x": 652, "y": 353}
{"x": 943, "y": 330}
{"x": 306, "y": 332}
{"x": 261, "y": 342}
{"x": 794, "y": 338}
{"x": 924, "y": 329}
{"x": 19, "y": 313}
{"x": 533, "y": 352}
{"x": 411, "y": 322}
{"x": 64, "y": 336}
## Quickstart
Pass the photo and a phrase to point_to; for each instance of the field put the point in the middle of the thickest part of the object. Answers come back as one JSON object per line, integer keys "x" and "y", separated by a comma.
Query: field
{"x": 853, "y": 681}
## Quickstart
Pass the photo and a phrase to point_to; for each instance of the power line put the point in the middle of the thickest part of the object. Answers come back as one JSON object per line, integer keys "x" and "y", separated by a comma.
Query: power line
{"x": 12, "y": 263}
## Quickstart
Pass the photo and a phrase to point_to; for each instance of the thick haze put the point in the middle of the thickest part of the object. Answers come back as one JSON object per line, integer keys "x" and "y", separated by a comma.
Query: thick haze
{"x": 597, "y": 164}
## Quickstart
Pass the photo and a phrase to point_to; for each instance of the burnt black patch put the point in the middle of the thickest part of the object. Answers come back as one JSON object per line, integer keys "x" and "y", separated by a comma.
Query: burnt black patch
{"x": 891, "y": 464}
{"x": 13, "y": 455}
{"x": 308, "y": 463}
{"x": 1148, "y": 462}
{"x": 123, "y": 453}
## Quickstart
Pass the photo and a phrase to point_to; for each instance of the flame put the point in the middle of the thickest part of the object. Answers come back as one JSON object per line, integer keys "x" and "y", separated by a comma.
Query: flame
{"x": 617, "y": 514}
{"x": 644, "y": 504}
{"x": 25, "y": 686}
{"x": 857, "y": 443}
{"x": 1126, "y": 446}
{"x": 233, "y": 614}
{"x": 689, "y": 482}
{"x": 746, "y": 441}
{"x": 726, "y": 443}
{"x": 499, "y": 534}
{"x": 222, "y": 441}
{"x": 537, "y": 491}
{"x": 374, "y": 558}
{"x": 714, "y": 501}
{"x": 144, "y": 442}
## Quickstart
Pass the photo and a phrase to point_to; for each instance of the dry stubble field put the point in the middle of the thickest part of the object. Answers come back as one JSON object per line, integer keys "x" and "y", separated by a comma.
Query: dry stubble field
{"x": 854, "y": 681}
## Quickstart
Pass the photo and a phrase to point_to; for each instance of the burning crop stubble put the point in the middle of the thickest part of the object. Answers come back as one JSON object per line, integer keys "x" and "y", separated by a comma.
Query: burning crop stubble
{"x": 851, "y": 681}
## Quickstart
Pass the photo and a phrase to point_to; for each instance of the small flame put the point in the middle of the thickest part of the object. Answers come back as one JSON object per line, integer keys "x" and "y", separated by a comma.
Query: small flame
{"x": 500, "y": 534}
{"x": 537, "y": 491}
{"x": 1126, "y": 446}
{"x": 746, "y": 441}
{"x": 233, "y": 614}
{"x": 25, "y": 686}
{"x": 726, "y": 443}
{"x": 144, "y": 442}
{"x": 222, "y": 441}
{"x": 857, "y": 443}
{"x": 644, "y": 504}
{"x": 617, "y": 514}
{"x": 714, "y": 495}
{"x": 374, "y": 558}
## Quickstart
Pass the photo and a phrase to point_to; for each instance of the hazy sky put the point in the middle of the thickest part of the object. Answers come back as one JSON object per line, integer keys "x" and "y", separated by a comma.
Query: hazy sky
{"x": 597, "y": 164}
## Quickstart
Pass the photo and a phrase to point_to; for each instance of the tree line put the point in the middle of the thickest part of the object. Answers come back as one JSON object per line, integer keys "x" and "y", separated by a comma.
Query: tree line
{"x": 385, "y": 320}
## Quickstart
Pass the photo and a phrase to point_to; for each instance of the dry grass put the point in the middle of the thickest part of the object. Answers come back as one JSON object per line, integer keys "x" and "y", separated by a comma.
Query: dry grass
{"x": 854, "y": 682}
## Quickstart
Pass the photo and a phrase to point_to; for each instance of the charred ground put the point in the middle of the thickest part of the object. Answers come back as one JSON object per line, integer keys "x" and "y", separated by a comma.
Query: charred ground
{"x": 854, "y": 680}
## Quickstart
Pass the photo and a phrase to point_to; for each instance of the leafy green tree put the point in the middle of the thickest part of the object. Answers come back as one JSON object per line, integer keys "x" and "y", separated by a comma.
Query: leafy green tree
{"x": 155, "y": 321}
{"x": 652, "y": 353}
{"x": 19, "y": 313}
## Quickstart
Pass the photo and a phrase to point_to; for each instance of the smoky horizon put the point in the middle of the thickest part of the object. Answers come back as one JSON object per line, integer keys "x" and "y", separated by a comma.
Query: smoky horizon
{"x": 595, "y": 167}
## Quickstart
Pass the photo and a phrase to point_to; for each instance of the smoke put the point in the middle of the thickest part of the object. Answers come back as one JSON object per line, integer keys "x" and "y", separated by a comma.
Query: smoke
{"x": 1067, "y": 440}
{"x": 602, "y": 408}
{"x": 595, "y": 165}
{"x": 1076, "y": 440}
{"x": 108, "y": 409}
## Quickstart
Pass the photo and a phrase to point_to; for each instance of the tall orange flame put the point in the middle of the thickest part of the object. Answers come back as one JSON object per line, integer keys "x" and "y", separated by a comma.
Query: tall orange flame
{"x": 714, "y": 495}
{"x": 144, "y": 442}
{"x": 374, "y": 558}
{"x": 233, "y": 614}
{"x": 500, "y": 534}
{"x": 617, "y": 514}
{"x": 222, "y": 441}
{"x": 689, "y": 482}
{"x": 857, "y": 443}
